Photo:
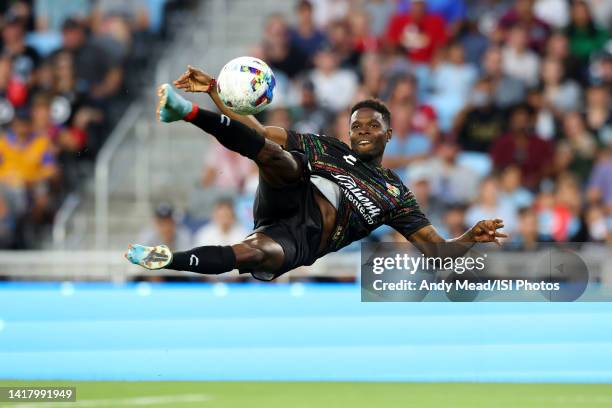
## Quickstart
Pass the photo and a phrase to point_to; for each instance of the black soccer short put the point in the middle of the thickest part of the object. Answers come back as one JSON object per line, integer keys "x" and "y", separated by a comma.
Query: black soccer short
{"x": 291, "y": 217}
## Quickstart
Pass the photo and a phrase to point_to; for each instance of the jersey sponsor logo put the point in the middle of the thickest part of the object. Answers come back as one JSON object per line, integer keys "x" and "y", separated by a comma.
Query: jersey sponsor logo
{"x": 193, "y": 258}
{"x": 358, "y": 197}
{"x": 223, "y": 118}
{"x": 393, "y": 190}
{"x": 350, "y": 159}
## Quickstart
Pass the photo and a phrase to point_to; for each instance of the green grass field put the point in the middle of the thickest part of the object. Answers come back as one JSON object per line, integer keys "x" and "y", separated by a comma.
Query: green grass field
{"x": 328, "y": 394}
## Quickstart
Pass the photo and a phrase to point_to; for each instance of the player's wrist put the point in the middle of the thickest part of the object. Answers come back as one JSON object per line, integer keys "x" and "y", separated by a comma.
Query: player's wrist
{"x": 212, "y": 86}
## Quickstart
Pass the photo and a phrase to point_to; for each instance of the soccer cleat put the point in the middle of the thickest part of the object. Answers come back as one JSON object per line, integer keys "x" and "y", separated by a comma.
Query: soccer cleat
{"x": 172, "y": 106}
{"x": 156, "y": 257}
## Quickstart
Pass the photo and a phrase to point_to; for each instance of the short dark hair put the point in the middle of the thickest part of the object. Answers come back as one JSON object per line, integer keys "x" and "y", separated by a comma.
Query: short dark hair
{"x": 374, "y": 104}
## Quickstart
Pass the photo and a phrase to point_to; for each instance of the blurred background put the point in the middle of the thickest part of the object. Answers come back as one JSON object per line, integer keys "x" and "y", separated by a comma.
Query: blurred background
{"x": 499, "y": 109}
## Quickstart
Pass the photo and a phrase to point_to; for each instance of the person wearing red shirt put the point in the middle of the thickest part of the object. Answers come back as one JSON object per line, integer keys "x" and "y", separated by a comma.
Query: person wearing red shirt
{"x": 418, "y": 32}
{"x": 522, "y": 14}
{"x": 522, "y": 147}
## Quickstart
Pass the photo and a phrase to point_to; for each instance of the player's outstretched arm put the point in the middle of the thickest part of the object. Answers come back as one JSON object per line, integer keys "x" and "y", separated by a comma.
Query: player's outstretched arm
{"x": 196, "y": 80}
{"x": 430, "y": 243}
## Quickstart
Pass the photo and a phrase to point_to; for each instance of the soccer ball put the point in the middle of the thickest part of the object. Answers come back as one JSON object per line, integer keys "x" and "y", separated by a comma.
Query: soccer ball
{"x": 246, "y": 85}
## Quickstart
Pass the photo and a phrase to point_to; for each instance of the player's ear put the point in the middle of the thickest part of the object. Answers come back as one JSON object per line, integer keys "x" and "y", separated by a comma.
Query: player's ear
{"x": 389, "y": 134}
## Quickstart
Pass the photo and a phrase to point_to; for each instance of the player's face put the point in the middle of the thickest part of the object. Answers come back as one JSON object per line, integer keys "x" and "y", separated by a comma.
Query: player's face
{"x": 369, "y": 134}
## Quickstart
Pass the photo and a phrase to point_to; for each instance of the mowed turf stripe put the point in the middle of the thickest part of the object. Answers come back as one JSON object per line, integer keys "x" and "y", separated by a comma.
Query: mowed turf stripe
{"x": 350, "y": 394}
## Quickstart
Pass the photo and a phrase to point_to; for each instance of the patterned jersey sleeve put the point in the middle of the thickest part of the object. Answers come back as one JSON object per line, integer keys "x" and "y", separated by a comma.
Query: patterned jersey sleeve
{"x": 408, "y": 217}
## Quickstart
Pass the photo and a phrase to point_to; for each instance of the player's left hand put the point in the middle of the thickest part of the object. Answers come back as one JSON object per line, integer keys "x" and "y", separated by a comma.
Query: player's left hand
{"x": 486, "y": 231}
{"x": 194, "y": 80}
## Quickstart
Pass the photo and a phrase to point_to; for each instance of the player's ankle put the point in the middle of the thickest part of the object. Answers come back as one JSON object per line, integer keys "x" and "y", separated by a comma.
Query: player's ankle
{"x": 193, "y": 113}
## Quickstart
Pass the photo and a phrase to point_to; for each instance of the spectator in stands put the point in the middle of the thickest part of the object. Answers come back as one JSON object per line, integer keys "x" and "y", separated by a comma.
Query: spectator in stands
{"x": 305, "y": 35}
{"x": 51, "y": 14}
{"x": 97, "y": 72}
{"x": 363, "y": 39}
{"x": 372, "y": 75}
{"x": 596, "y": 223}
{"x": 526, "y": 237}
{"x": 418, "y": 32}
{"x": 166, "y": 230}
{"x": 379, "y": 13}
{"x": 557, "y": 48}
{"x": 600, "y": 69}
{"x": 560, "y": 93}
{"x": 223, "y": 229}
{"x": 450, "y": 84}
{"x": 453, "y": 223}
{"x": 308, "y": 115}
{"x": 343, "y": 45}
{"x": 430, "y": 203}
{"x": 481, "y": 122}
{"x": 600, "y": 182}
{"x": 279, "y": 117}
{"x": 26, "y": 159}
{"x": 13, "y": 90}
{"x": 224, "y": 169}
{"x": 511, "y": 190}
{"x": 327, "y": 11}
{"x": 452, "y": 11}
{"x": 25, "y": 59}
{"x": 522, "y": 147}
{"x": 8, "y": 222}
{"x": 406, "y": 146}
{"x": 135, "y": 12}
{"x": 555, "y": 220}
{"x": 328, "y": 78}
{"x": 507, "y": 90}
{"x": 518, "y": 60}
{"x": 555, "y": 13}
{"x": 278, "y": 50}
{"x": 559, "y": 210}
{"x": 522, "y": 14}
{"x": 27, "y": 168}
{"x": 581, "y": 144}
{"x": 474, "y": 42}
{"x": 601, "y": 11}
{"x": 490, "y": 205}
{"x": 452, "y": 182}
{"x": 585, "y": 37}
{"x": 545, "y": 123}
{"x": 425, "y": 118}
{"x": 598, "y": 114}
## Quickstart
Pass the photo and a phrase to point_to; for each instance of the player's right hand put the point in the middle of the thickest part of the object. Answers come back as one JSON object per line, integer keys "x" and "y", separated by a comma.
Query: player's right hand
{"x": 194, "y": 80}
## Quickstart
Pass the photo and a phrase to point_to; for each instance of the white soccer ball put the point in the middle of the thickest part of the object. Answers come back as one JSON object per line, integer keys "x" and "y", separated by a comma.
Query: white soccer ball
{"x": 246, "y": 85}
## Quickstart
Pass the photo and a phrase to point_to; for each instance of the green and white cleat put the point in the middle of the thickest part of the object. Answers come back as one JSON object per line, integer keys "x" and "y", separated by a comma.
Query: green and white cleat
{"x": 156, "y": 257}
{"x": 172, "y": 106}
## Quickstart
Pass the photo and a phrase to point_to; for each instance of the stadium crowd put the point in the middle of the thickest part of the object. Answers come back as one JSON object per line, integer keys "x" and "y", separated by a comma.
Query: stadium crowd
{"x": 67, "y": 70}
{"x": 499, "y": 108}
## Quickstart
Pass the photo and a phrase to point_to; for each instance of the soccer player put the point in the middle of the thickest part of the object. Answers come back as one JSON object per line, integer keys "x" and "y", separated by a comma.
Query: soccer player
{"x": 315, "y": 195}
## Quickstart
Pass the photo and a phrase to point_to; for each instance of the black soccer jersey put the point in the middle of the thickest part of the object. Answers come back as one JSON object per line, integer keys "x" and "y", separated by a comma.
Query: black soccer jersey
{"x": 371, "y": 195}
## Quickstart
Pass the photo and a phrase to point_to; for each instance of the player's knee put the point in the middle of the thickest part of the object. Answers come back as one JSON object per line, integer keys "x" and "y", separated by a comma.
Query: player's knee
{"x": 250, "y": 255}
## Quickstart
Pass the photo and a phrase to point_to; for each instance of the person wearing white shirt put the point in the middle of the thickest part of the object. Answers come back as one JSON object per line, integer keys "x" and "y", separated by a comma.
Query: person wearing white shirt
{"x": 519, "y": 61}
{"x": 334, "y": 86}
{"x": 223, "y": 229}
